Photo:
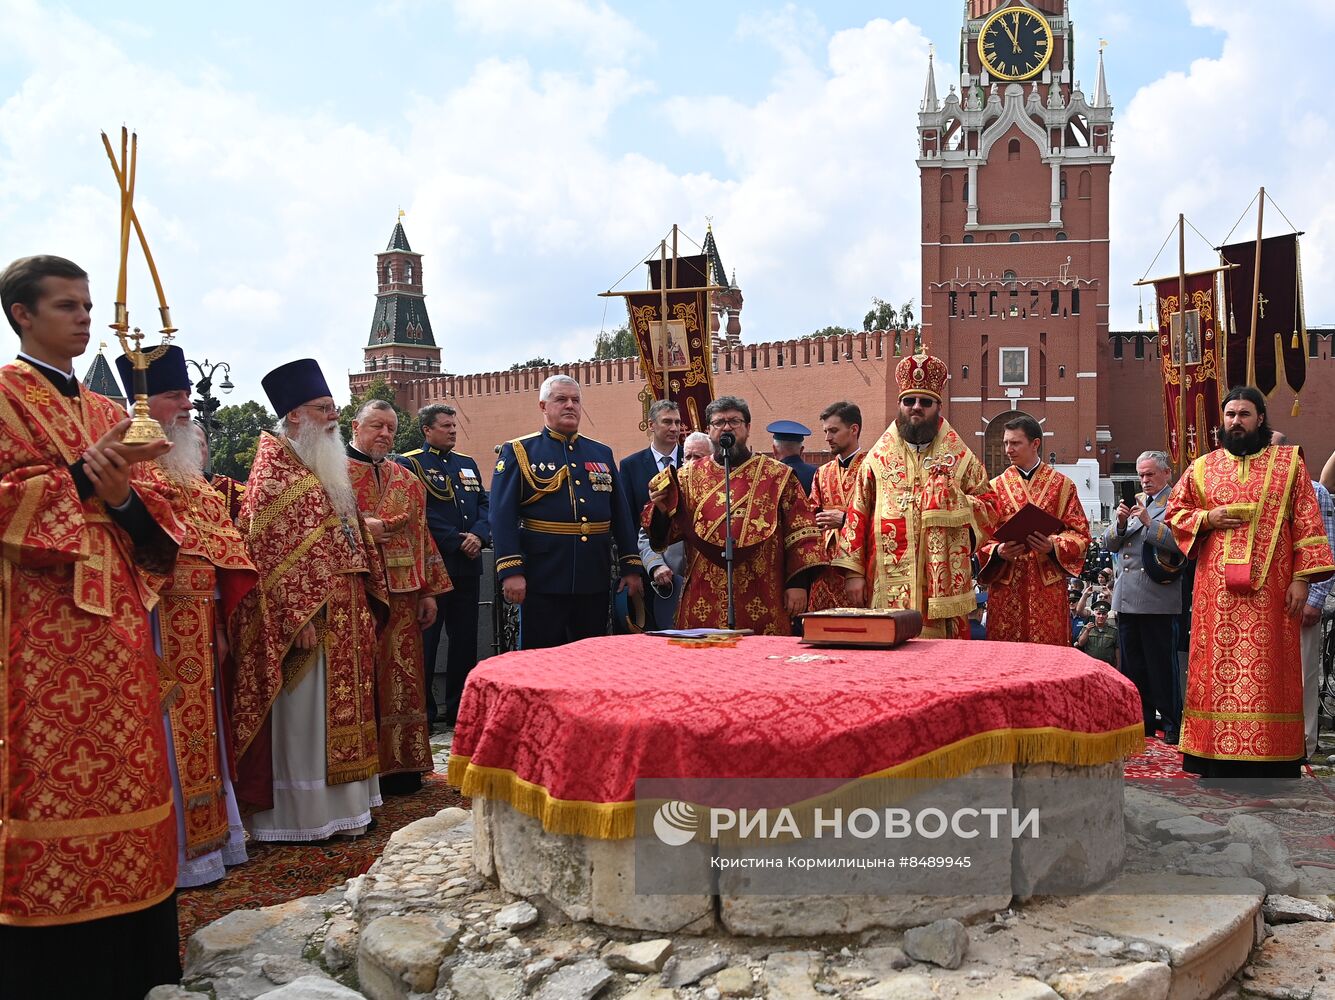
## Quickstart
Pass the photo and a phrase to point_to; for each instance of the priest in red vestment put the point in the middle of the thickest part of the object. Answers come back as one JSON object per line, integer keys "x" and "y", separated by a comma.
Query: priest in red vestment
{"x": 921, "y": 505}
{"x": 1026, "y": 581}
{"x": 1248, "y": 514}
{"x": 831, "y": 494}
{"x": 213, "y": 571}
{"x": 304, "y": 697}
{"x": 776, "y": 543}
{"x": 393, "y": 504}
{"x": 87, "y": 838}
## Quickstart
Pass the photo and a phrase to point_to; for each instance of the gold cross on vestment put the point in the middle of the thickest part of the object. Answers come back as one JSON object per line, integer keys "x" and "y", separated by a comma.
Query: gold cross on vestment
{"x": 38, "y": 394}
{"x": 86, "y": 767}
{"x": 66, "y": 624}
{"x": 1261, "y": 303}
{"x": 74, "y": 696}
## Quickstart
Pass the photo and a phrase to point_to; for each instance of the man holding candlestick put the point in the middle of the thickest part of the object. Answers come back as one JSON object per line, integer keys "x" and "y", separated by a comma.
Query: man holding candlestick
{"x": 88, "y": 837}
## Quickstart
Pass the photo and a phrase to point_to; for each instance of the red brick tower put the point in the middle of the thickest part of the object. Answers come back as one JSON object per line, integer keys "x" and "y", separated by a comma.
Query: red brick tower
{"x": 1015, "y": 170}
{"x": 401, "y": 348}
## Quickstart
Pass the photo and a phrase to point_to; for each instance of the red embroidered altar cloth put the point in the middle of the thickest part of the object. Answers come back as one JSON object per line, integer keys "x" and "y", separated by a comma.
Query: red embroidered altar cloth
{"x": 563, "y": 734}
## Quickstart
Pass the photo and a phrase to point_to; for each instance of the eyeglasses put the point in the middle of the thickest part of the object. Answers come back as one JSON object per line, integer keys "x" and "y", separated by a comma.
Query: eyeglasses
{"x": 926, "y": 402}
{"x": 725, "y": 422}
{"x": 328, "y": 409}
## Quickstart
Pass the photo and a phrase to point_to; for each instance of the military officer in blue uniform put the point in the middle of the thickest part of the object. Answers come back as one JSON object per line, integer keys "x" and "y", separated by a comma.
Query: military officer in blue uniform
{"x": 788, "y": 438}
{"x": 457, "y": 515}
{"x": 557, "y": 506}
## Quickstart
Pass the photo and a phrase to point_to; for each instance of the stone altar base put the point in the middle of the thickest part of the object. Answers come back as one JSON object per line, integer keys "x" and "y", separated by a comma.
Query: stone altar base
{"x": 1082, "y": 845}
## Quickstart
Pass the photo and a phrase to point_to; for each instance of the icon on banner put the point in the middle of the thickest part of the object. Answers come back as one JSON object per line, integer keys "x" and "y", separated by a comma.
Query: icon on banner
{"x": 675, "y": 823}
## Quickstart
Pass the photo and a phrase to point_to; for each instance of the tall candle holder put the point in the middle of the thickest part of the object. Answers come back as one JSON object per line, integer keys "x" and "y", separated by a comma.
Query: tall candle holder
{"x": 143, "y": 428}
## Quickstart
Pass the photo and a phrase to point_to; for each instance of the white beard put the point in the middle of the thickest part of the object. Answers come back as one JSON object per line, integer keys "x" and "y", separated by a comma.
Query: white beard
{"x": 322, "y": 449}
{"x": 186, "y": 459}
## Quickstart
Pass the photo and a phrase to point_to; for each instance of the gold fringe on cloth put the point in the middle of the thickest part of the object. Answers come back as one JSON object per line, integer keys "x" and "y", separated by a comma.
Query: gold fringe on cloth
{"x": 616, "y": 820}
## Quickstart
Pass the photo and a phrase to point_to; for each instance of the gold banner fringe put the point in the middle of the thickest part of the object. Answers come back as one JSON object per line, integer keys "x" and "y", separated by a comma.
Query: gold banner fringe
{"x": 616, "y": 820}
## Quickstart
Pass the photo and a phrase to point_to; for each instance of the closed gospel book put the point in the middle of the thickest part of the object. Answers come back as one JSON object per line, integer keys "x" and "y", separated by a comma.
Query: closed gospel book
{"x": 860, "y": 627}
{"x": 1026, "y": 521}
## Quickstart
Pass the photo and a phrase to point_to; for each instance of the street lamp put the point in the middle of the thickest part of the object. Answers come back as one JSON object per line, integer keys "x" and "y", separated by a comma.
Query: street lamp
{"x": 207, "y": 404}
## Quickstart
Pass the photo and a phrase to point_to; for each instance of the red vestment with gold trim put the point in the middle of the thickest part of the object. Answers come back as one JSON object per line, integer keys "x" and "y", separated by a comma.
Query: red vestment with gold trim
{"x": 213, "y": 558}
{"x": 86, "y": 829}
{"x": 912, "y": 525}
{"x": 1026, "y": 598}
{"x": 775, "y": 540}
{"x": 832, "y": 489}
{"x": 316, "y": 567}
{"x": 1244, "y": 698}
{"x": 413, "y": 569}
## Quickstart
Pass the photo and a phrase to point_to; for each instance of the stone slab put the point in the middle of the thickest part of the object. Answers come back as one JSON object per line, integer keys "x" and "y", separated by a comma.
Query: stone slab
{"x": 1204, "y": 927}
{"x": 1142, "y": 981}
{"x": 397, "y": 956}
{"x": 284, "y": 929}
{"x": 312, "y": 988}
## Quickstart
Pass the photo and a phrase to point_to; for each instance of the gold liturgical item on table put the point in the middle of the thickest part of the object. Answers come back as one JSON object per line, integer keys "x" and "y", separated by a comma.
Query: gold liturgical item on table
{"x": 143, "y": 428}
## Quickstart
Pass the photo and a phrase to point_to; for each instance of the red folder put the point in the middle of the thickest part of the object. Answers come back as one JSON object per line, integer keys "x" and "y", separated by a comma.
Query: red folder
{"x": 1025, "y": 521}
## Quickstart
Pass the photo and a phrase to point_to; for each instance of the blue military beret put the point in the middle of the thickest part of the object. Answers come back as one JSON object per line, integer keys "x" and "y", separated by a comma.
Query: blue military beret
{"x": 788, "y": 430}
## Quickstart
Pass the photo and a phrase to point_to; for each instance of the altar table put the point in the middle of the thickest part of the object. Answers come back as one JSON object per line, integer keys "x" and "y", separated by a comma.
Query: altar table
{"x": 563, "y": 734}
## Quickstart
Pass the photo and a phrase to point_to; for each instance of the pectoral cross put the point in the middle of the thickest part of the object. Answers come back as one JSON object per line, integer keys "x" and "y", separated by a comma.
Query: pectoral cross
{"x": 347, "y": 531}
{"x": 1261, "y": 303}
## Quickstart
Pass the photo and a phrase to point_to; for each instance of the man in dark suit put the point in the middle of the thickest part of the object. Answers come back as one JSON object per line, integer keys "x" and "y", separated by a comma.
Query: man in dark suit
{"x": 457, "y": 513}
{"x": 788, "y": 438}
{"x": 638, "y": 468}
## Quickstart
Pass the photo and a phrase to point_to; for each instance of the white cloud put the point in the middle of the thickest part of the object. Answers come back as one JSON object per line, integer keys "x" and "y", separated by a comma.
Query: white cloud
{"x": 1202, "y": 142}
{"x": 821, "y": 212}
{"x": 243, "y": 303}
{"x": 598, "y": 29}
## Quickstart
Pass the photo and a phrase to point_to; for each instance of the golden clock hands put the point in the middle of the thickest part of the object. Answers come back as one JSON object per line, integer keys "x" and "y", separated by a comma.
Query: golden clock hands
{"x": 1011, "y": 34}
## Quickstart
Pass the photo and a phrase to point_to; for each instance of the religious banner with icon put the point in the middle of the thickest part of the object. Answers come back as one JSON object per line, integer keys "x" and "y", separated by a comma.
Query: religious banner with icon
{"x": 672, "y": 335}
{"x": 1278, "y": 352}
{"x": 1193, "y": 335}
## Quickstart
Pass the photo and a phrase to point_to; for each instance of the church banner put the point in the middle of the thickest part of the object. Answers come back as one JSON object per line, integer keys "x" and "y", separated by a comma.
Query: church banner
{"x": 1195, "y": 334}
{"x": 675, "y": 354}
{"x": 1279, "y": 350}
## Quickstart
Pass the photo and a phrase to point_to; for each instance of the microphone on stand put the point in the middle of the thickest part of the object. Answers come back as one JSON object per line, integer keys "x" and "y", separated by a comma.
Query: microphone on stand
{"x": 727, "y": 440}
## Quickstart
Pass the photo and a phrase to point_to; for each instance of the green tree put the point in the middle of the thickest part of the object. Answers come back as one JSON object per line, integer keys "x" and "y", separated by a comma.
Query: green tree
{"x": 409, "y": 436}
{"x": 532, "y": 363}
{"x": 828, "y": 331}
{"x": 235, "y": 435}
{"x": 620, "y": 343}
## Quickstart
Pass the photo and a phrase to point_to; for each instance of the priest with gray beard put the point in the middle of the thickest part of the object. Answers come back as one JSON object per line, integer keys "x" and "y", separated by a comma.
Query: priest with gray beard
{"x": 303, "y": 704}
{"x": 189, "y": 624}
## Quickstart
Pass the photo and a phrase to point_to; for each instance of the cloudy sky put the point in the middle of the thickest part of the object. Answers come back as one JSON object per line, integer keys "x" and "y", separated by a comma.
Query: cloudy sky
{"x": 540, "y": 149}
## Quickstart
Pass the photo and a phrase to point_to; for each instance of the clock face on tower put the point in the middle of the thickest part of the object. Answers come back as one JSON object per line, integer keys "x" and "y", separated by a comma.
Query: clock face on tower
{"x": 1015, "y": 43}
